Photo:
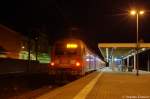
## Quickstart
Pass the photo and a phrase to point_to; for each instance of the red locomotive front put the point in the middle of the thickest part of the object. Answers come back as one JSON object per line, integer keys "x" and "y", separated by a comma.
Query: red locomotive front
{"x": 67, "y": 55}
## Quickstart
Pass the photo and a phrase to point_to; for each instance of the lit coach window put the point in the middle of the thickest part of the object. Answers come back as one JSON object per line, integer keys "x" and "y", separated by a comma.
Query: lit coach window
{"x": 71, "y": 45}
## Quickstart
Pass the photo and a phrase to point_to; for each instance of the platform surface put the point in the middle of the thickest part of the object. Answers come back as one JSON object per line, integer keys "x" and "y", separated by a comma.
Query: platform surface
{"x": 104, "y": 85}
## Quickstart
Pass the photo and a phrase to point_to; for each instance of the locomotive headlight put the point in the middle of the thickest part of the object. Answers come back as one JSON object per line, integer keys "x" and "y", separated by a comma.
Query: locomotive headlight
{"x": 78, "y": 64}
{"x": 52, "y": 63}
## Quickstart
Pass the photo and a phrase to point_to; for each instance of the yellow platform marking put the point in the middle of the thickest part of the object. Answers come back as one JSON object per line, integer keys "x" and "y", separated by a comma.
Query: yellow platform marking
{"x": 86, "y": 90}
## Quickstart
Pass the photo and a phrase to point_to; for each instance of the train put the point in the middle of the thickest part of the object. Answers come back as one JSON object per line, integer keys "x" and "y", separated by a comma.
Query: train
{"x": 72, "y": 56}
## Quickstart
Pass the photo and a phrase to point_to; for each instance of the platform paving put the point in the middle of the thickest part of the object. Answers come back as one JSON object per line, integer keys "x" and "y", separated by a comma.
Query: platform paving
{"x": 104, "y": 85}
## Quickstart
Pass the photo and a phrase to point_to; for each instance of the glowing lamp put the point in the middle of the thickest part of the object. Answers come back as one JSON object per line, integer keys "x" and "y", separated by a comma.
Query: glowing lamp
{"x": 141, "y": 12}
{"x": 133, "y": 12}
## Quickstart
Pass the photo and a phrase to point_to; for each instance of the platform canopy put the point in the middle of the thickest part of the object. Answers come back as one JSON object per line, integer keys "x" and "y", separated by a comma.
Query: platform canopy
{"x": 123, "y": 45}
{"x": 120, "y": 50}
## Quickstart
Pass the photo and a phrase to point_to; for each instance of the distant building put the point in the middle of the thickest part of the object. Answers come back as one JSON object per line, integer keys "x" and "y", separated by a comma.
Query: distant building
{"x": 11, "y": 41}
{"x": 14, "y": 45}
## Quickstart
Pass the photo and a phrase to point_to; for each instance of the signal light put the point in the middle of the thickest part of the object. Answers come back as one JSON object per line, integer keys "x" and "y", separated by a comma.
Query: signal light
{"x": 52, "y": 63}
{"x": 78, "y": 64}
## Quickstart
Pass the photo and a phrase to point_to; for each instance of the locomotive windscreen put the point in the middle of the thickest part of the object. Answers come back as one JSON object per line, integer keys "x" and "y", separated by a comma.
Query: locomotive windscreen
{"x": 65, "y": 52}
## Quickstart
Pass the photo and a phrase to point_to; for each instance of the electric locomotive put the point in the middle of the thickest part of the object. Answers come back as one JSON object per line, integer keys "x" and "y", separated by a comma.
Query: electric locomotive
{"x": 73, "y": 56}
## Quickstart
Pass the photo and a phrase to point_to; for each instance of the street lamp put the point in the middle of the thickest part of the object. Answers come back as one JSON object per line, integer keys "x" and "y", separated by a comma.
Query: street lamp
{"x": 137, "y": 13}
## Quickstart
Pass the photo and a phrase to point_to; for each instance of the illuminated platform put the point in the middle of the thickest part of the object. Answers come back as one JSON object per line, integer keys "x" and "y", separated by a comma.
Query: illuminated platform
{"x": 100, "y": 85}
{"x": 124, "y": 54}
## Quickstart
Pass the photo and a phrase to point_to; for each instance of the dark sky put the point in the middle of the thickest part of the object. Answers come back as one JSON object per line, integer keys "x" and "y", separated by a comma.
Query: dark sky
{"x": 90, "y": 20}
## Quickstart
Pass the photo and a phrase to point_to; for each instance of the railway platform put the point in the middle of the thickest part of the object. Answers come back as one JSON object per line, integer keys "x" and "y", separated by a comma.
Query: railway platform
{"x": 104, "y": 85}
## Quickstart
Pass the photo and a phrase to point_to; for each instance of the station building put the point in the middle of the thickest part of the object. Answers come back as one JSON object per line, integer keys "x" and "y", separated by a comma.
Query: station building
{"x": 14, "y": 45}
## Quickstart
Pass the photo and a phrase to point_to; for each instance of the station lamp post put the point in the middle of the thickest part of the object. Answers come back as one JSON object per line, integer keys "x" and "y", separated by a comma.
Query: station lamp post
{"x": 137, "y": 13}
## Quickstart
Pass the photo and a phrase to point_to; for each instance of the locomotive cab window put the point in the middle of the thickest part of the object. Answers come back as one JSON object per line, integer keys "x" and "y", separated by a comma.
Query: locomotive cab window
{"x": 65, "y": 52}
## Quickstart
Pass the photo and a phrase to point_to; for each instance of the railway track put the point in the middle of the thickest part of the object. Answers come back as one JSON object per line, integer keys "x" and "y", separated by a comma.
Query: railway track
{"x": 27, "y": 86}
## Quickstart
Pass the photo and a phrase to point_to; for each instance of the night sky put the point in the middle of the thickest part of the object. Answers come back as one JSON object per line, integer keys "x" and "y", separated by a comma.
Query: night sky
{"x": 92, "y": 21}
